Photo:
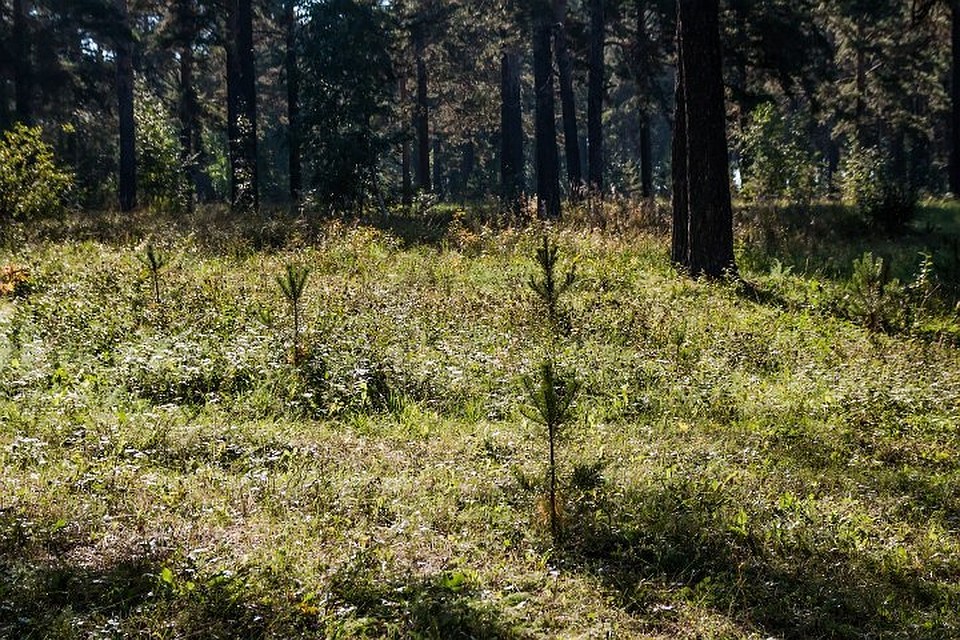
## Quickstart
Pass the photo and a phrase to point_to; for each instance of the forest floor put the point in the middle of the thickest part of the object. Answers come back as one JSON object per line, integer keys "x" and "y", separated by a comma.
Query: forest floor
{"x": 776, "y": 456}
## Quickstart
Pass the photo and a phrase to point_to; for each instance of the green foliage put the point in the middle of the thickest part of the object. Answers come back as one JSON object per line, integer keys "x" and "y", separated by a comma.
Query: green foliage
{"x": 161, "y": 179}
{"x": 154, "y": 260}
{"x": 348, "y": 80}
{"x": 292, "y": 284}
{"x": 874, "y": 298}
{"x": 866, "y": 182}
{"x": 31, "y": 183}
{"x": 551, "y": 285}
{"x": 777, "y": 163}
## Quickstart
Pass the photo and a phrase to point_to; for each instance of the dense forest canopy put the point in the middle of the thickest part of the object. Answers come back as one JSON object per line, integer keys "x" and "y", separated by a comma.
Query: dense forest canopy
{"x": 346, "y": 101}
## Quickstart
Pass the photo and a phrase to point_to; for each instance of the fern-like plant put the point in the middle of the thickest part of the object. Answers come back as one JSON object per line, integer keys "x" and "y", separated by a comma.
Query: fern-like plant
{"x": 292, "y": 283}
{"x": 551, "y": 396}
{"x": 154, "y": 260}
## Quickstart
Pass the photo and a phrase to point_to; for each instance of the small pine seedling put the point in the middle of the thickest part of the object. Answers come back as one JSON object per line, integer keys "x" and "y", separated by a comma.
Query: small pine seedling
{"x": 551, "y": 396}
{"x": 154, "y": 260}
{"x": 292, "y": 283}
{"x": 550, "y": 287}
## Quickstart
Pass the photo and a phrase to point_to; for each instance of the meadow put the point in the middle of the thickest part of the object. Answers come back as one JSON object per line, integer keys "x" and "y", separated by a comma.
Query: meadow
{"x": 770, "y": 456}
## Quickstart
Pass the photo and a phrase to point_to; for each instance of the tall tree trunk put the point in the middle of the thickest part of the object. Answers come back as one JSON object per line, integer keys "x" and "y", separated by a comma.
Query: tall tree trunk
{"x": 188, "y": 116}
{"x": 646, "y": 156}
{"x": 127, "y": 182}
{"x": 437, "y": 177}
{"x": 595, "y": 91}
{"x": 468, "y": 162}
{"x": 568, "y": 103}
{"x": 293, "y": 100}
{"x": 709, "y": 211}
{"x": 679, "y": 247}
{"x": 21, "y": 62}
{"x": 405, "y": 167}
{"x": 511, "y": 133}
{"x": 954, "y": 166}
{"x": 548, "y": 187}
{"x": 242, "y": 106}
{"x": 422, "y": 115}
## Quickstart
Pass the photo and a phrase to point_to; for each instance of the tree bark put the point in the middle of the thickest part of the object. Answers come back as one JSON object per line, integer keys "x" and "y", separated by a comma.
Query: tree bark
{"x": 405, "y": 165}
{"x": 646, "y": 156}
{"x": 21, "y": 62}
{"x": 242, "y": 106}
{"x": 127, "y": 179}
{"x": 709, "y": 211}
{"x": 511, "y": 133}
{"x": 954, "y": 165}
{"x": 595, "y": 91}
{"x": 437, "y": 177}
{"x": 548, "y": 188}
{"x": 422, "y": 116}
{"x": 293, "y": 100}
{"x": 188, "y": 115}
{"x": 642, "y": 75}
{"x": 679, "y": 247}
{"x": 568, "y": 104}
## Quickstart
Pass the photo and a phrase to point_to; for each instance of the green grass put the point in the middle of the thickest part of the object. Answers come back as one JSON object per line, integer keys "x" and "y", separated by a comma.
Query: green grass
{"x": 748, "y": 460}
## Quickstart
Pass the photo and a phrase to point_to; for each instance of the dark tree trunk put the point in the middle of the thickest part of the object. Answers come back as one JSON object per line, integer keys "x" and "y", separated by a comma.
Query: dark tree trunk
{"x": 646, "y": 156}
{"x": 242, "y": 106}
{"x": 293, "y": 100}
{"x": 422, "y": 115}
{"x": 709, "y": 212}
{"x": 405, "y": 167}
{"x": 127, "y": 182}
{"x": 511, "y": 133}
{"x": 568, "y": 103}
{"x": 437, "y": 177}
{"x": 679, "y": 247}
{"x": 21, "y": 62}
{"x": 595, "y": 91}
{"x": 468, "y": 162}
{"x": 548, "y": 187}
{"x": 954, "y": 166}
{"x": 188, "y": 115}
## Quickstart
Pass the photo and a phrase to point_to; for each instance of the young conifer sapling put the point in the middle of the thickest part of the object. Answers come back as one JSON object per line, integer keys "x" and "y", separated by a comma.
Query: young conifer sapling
{"x": 292, "y": 283}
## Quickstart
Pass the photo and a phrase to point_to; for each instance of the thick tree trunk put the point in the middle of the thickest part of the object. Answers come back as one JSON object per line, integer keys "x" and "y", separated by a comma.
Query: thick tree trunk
{"x": 595, "y": 91}
{"x": 548, "y": 188}
{"x": 127, "y": 182}
{"x": 709, "y": 211}
{"x": 568, "y": 103}
{"x": 954, "y": 166}
{"x": 21, "y": 62}
{"x": 511, "y": 133}
{"x": 646, "y": 156}
{"x": 293, "y": 100}
{"x": 422, "y": 115}
{"x": 242, "y": 106}
{"x": 406, "y": 187}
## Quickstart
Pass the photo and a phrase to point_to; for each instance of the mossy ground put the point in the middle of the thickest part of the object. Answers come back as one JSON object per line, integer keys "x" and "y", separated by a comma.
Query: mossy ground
{"x": 748, "y": 459}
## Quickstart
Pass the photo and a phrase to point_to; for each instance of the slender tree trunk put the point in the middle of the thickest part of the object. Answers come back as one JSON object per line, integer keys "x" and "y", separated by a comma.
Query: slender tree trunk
{"x": 188, "y": 115}
{"x": 242, "y": 106}
{"x": 405, "y": 166}
{"x": 437, "y": 177}
{"x": 679, "y": 249}
{"x": 511, "y": 133}
{"x": 646, "y": 156}
{"x": 568, "y": 103}
{"x": 127, "y": 183}
{"x": 954, "y": 166}
{"x": 595, "y": 91}
{"x": 710, "y": 214}
{"x": 293, "y": 100}
{"x": 422, "y": 115}
{"x": 21, "y": 62}
{"x": 468, "y": 161}
{"x": 548, "y": 188}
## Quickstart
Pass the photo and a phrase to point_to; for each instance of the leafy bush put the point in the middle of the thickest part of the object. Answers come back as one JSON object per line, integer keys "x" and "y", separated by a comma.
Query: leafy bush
{"x": 161, "y": 179}
{"x": 776, "y": 162}
{"x": 31, "y": 183}
{"x": 866, "y": 182}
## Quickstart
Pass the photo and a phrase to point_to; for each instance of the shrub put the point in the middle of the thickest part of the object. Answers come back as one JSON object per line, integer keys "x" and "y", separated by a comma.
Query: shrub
{"x": 776, "y": 163}
{"x": 866, "y": 182}
{"x": 31, "y": 183}
{"x": 161, "y": 179}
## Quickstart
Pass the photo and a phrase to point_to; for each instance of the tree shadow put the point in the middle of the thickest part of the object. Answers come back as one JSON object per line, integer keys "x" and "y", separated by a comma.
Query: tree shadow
{"x": 675, "y": 541}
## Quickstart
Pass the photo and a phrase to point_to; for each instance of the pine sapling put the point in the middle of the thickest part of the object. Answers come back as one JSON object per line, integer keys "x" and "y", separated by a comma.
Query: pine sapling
{"x": 292, "y": 283}
{"x": 551, "y": 396}
{"x": 154, "y": 260}
{"x": 551, "y": 286}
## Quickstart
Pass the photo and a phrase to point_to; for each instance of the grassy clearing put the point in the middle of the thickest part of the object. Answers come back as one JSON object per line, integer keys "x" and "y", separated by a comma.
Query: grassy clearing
{"x": 748, "y": 460}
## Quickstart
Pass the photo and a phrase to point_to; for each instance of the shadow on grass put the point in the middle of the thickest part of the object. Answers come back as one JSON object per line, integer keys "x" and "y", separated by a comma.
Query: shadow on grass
{"x": 676, "y": 542}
